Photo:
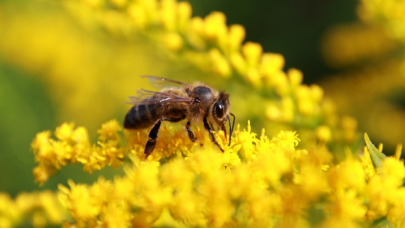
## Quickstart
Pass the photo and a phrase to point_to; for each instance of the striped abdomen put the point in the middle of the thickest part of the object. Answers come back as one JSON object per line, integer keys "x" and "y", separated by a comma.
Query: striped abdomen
{"x": 142, "y": 116}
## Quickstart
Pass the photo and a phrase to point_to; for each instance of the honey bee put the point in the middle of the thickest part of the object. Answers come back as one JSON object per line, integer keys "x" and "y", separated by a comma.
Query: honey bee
{"x": 177, "y": 101}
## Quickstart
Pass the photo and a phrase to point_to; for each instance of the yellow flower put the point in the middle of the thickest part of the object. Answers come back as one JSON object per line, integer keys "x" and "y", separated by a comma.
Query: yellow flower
{"x": 173, "y": 41}
{"x": 367, "y": 164}
{"x": 189, "y": 208}
{"x": 272, "y": 183}
{"x": 347, "y": 175}
{"x": 396, "y": 213}
{"x": 219, "y": 64}
{"x": 272, "y": 165}
{"x": 73, "y": 146}
{"x": 312, "y": 181}
{"x": 246, "y": 140}
{"x": 64, "y": 132}
{"x": 345, "y": 210}
{"x": 393, "y": 170}
{"x": 113, "y": 154}
{"x": 109, "y": 130}
{"x": 324, "y": 133}
{"x": 82, "y": 204}
{"x": 287, "y": 140}
{"x": 252, "y": 52}
{"x": 41, "y": 208}
{"x": 231, "y": 158}
{"x": 177, "y": 174}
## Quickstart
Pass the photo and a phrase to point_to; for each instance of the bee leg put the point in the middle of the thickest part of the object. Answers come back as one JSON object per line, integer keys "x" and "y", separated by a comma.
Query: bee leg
{"x": 191, "y": 134}
{"x": 207, "y": 127}
{"x": 152, "y": 138}
{"x": 153, "y": 134}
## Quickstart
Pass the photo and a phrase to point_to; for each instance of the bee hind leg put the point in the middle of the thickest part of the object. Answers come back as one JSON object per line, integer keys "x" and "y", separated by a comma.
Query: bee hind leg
{"x": 152, "y": 138}
{"x": 207, "y": 127}
{"x": 153, "y": 135}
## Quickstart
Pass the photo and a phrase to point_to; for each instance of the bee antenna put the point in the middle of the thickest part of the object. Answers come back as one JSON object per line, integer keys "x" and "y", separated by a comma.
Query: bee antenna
{"x": 231, "y": 127}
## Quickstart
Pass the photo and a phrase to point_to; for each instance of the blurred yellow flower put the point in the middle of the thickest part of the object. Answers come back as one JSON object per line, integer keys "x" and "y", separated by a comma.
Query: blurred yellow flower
{"x": 37, "y": 208}
{"x": 369, "y": 56}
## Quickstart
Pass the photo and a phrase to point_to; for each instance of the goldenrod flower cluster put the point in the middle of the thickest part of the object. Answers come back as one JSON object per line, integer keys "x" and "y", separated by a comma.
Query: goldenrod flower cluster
{"x": 73, "y": 146}
{"x": 370, "y": 55}
{"x": 380, "y": 31}
{"x": 36, "y": 209}
{"x": 388, "y": 14}
{"x": 345, "y": 45}
{"x": 256, "y": 182}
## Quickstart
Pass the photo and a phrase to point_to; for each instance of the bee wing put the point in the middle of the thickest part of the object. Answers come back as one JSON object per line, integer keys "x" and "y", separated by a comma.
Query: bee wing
{"x": 161, "y": 83}
{"x": 146, "y": 97}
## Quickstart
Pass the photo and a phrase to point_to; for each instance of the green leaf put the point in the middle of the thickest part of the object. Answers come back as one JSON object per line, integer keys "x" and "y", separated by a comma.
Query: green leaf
{"x": 376, "y": 156}
{"x": 381, "y": 222}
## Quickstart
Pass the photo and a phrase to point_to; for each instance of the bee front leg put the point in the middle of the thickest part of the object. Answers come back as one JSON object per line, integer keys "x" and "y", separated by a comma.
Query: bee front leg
{"x": 191, "y": 134}
{"x": 152, "y": 138}
{"x": 207, "y": 127}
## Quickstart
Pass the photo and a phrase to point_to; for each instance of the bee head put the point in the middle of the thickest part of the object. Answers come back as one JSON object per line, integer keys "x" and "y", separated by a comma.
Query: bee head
{"x": 220, "y": 113}
{"x": 220, "y": 110}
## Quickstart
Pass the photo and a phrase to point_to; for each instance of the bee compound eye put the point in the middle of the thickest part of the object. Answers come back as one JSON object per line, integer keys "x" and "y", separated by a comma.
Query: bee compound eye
{"x": 219, "y": 109}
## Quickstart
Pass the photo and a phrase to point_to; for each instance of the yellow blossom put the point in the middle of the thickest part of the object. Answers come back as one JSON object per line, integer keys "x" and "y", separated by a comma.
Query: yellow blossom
{"x": 286, "y": 140}
{"x": 346, "y": 209}
{"x": 367, "y": 164}
{"x": 245, "y": 139}
{"x": 347, "y": 175}
{"x": 295, "y": 76}
{"x": 253, "y": 76}
{"x": 64, "y": 132}
{"x": 236, "y": 37}
{"x": 305, "y": 105}
{"x": 184, "y": 14}
{"x": 254, "y": 181}
{"x": 109, "y": 130}
{"x": 81, "y": 203}
{"x": 252, "y": 52}
{"x": 173, "y": 41}
{"x": 215, "y": 27}
{"x": 40, "y": 208}
{"x": 238, "y": 62}
{"x": 273, "y": 112}
{"x": 324, "y": 133}
{"x": 271, "y": 65}
{"x": 220, "y": 64}
{"x": 73, "y": 146}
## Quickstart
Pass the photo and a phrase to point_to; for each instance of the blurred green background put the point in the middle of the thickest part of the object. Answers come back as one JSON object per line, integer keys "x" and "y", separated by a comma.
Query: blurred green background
{"x": 31, "y": 103}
